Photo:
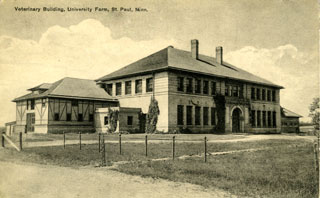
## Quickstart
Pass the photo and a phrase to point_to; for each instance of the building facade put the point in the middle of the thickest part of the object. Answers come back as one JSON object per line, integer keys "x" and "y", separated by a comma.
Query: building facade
{"x": 67, "y": 105}
{"x": 128, "y": 120}
{"x": 197, "y": 93}
{"x": 289, "y": 121}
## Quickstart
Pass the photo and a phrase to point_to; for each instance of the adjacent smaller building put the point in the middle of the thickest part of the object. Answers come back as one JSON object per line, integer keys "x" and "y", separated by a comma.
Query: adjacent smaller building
{"x": 289, "y": 121}
{"x": 129, "y": 120}
{"x": 67, "y": 105}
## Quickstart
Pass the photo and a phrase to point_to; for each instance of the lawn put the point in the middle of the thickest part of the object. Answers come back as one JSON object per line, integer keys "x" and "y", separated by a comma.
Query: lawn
{"x": 285, "y": 172}
{"x": 285, "y": 169}
{"x": 89, "y": 153}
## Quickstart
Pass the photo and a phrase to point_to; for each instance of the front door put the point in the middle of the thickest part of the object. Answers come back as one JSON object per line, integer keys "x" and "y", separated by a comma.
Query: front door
{"x": 30, "y": 122}
{"x": 236, "y": 120}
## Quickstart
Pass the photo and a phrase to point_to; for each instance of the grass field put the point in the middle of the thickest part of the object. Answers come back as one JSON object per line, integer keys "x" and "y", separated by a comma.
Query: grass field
{"x": 89, "y": 153}
{"x": 284, "y": 170}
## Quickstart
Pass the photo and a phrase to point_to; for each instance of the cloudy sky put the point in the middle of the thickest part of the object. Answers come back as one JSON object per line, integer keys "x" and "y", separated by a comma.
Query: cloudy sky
{"x": 275, "y": 39}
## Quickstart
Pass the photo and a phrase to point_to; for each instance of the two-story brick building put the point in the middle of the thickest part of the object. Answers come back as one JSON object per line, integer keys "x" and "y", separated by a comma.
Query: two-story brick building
{"x": 197, "y": 92}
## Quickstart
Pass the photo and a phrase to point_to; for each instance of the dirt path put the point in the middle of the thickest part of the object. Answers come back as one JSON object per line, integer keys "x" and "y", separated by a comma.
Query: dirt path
{"x": 39, "y": 181}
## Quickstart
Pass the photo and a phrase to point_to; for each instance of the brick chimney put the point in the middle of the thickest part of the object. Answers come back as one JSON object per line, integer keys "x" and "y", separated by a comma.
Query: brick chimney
{"x": 195, "y": 48}
{"x": 219, "y": 55}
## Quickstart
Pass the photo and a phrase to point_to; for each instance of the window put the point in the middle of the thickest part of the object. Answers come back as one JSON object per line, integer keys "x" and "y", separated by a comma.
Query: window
{"x": 253, "y": 118}
{"x": 189, "y": 115}
{"x": 213, "y": 116}
{"x": 258, "y": 94}
{"x": 106, "y": 120}
{"x": 264, "y": 119}
{"x": 240, "y": 91}
{"x": 263, "y": 94}
{"x": 74, "y": 102}
{"x": 198, "y": 86}
{"x": 213, "y": 88}
{"x": 274, "y": 115}
{"x": 189, "y": 85}
{"x": 43, "y": 102}
{"x": 149, "y": 87}
{"x": 90, "y": 117}
{"x": 205, "y": 115}
{"x": 128, "y": 87}
{"x": 269, "y": 95}
{"x": 180, "y": 83}
{"x": 258, "y": 118}
{"x": 109, "y": 89}
{"x": 197, "y": 116}
{"x": 68, "y": 116}
{"x": 32, "y": 104}
{"x": 118, "y": 89}
{"x": 235, "y": 90}
{"x": 139, "y": 86}
{"x": 227, "y": 90}
{"x": 180, "y": 115}
{"x": 273, "y": 95}
{"x": 269, "y": 118}
{"x": 56, "y": 117}
{"x": 205, "y": 87}
{"x": 130, "y": 120}
{"x": 253, "y": 93}
{"x": 80, "y": 117}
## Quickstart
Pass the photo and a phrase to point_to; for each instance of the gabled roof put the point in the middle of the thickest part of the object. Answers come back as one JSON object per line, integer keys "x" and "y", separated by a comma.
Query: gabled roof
{"x": 288, "y": 113}
{"x": 72, "y": 88}
{"x": 176, "y": 59}
{"x": 43, "y": 86}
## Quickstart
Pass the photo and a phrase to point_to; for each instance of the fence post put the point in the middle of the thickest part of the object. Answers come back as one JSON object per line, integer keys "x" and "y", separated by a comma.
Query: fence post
{"x": 80, "y": 140}
{"x": 20, "y": 140}
{"x": 64, "y": 140}
{"x": 103, "y": 152}
{"x": 2, "y": 139}
{"x": 146, "y": 142}
{"x": 120, "y": 151}
{"x": 205, "y": 149}
{"x": 173, "y": 146}
{"x": 316, "y": 164}
{"x": 99, "y": 139}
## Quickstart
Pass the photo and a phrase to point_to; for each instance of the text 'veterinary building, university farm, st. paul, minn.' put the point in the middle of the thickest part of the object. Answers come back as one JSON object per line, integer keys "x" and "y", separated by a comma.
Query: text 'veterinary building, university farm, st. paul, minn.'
{"x": 194, "y": 92}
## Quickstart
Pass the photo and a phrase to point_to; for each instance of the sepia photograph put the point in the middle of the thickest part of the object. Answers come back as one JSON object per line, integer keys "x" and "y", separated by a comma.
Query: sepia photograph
{"x": 150, "y": 98}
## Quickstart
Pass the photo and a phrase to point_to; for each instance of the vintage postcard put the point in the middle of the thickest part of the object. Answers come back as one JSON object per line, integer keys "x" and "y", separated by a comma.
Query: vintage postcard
{"x": 150, "y": 98}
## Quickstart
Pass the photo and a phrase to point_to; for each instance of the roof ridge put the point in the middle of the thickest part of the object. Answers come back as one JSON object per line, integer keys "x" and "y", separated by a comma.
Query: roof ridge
{"x": 141, "y": 59}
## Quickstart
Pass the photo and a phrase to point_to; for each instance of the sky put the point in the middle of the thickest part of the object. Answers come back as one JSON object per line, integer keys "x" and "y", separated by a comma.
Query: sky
{"x": 275, "y": 39}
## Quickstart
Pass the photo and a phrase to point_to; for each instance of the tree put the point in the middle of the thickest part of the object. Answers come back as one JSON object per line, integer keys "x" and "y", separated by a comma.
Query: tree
{"x": 113, "y": 119}
{"x": 315, "y": 112}
{"x": 152, "y": 116}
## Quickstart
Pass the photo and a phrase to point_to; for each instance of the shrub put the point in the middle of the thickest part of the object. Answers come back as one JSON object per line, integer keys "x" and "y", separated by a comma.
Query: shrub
{"x": 152, "y": 116}
{"x": 113, "y": 120}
